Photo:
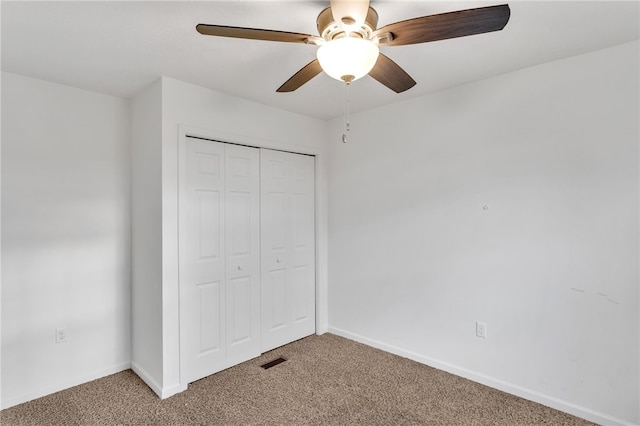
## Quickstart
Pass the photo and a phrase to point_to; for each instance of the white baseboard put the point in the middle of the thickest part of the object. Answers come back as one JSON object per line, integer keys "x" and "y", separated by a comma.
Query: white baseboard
{"x": 57, "y": 387}
{"x": 146, "y": 377}
{"x": 510, "y": 388}
{"x": 159, "y": 390}
{"x": 321, "y": 329}
{"x": 172, "y": 390}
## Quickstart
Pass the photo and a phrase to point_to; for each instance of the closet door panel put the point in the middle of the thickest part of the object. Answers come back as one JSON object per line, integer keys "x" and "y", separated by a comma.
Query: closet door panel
{"x": 288, "y": 247}
{"x": 299, "y": 276}
{"x": 208, "y": 314}
{"x": 242, "y": 208}
{"x": 302, "y": 260}
{"x": 275, "y": 302}
{"x": 239, "y": 293}
{"x": 274, "y": 188}
{"x": 202, "y": 271}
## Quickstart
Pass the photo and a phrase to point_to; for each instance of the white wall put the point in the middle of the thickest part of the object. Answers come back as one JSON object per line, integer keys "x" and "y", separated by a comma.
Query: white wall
{"x": 65, "y": 241}
{"x": 193, "y": 110}
{"x": 146, "y": 291}
{"x": 551, "y": 266}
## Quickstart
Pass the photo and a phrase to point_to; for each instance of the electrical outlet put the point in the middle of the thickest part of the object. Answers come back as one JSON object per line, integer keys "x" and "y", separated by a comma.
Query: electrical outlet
{"x": 61, "y": 335}
{"x": 481, "y": 329}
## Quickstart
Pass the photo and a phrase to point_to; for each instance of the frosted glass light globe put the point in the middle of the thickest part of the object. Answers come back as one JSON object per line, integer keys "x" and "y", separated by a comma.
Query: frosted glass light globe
{"x": 348, "y": 58}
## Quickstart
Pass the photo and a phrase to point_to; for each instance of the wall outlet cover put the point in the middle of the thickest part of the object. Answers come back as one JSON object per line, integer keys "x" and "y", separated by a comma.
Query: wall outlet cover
{"x": 481, "y": 329}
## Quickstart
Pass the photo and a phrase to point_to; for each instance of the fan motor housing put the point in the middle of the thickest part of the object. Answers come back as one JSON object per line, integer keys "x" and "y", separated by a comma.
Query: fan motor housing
{"x": 329, "y": 29}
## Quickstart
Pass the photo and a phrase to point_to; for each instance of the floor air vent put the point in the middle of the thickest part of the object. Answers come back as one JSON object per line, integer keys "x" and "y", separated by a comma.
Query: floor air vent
{"x": 273, "y": 363}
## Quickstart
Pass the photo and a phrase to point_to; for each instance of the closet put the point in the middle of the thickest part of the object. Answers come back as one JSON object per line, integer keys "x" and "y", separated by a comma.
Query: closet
{"x": 247, "y": 253}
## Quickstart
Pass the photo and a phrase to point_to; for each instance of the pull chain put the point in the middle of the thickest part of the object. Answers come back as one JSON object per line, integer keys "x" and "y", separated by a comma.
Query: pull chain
{"x": 347, "y": 124}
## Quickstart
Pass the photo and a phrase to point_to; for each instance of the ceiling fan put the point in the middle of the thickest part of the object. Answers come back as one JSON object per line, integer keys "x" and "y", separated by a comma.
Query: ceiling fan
{"x": 348, "y": 41}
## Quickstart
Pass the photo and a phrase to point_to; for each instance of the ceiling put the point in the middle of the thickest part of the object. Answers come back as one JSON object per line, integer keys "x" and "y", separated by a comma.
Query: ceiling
{"x": 119, "y": 47}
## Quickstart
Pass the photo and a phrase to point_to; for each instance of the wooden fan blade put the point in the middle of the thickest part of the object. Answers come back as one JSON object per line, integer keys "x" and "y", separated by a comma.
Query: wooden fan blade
{"x": 309, "y": 71}
{"x": 445, "y": 26}
{"x": 391, "y": 75}
{"x": 252, "y": 33}
{"x": 350, "y": 12}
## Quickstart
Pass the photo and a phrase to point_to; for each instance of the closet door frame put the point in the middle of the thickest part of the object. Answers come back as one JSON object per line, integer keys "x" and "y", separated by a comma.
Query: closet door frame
{"x": 320, "y": 226}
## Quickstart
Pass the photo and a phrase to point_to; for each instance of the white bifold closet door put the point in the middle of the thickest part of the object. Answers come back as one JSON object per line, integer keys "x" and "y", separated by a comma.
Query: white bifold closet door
{"x": 287, "y": 200}
{"x": 220, "y": 257}
{"x": 247, "y": 253}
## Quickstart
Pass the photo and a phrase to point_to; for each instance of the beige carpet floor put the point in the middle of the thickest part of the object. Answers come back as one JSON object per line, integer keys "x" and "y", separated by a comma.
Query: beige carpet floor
{"x": 326, "y": 380}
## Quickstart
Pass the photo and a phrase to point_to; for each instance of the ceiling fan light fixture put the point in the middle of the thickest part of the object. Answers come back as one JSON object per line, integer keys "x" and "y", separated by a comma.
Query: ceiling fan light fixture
{"x": 348, "y": 58}
{"x": 349, "y": 40}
